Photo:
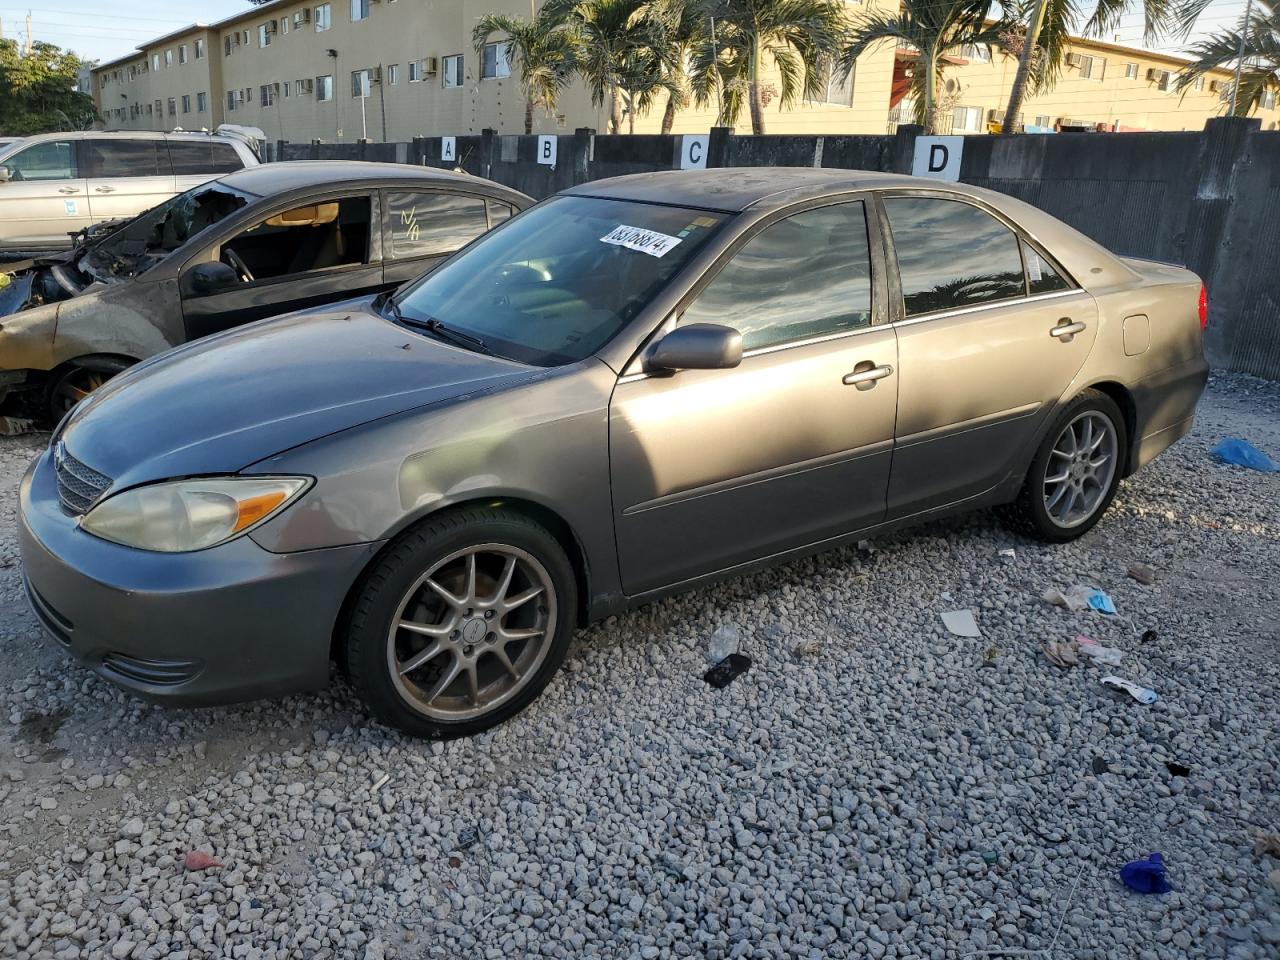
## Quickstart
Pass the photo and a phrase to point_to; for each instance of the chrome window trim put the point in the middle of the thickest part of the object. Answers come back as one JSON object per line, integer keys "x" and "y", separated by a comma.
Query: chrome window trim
{"x": 977, "y": 308}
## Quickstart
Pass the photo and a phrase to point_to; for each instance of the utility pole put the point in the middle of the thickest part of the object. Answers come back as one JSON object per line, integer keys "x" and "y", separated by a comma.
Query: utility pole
{"x": 1244, "y": 33}
{"x": 28, "y": 52}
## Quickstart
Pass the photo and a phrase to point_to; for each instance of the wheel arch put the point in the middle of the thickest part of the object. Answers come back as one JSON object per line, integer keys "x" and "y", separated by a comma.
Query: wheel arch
{"x": 1123, "y": 399}
{"x": 546, "y": 517}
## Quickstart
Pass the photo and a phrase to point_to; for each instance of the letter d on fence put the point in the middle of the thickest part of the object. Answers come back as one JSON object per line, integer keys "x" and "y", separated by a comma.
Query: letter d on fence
{"x": 547, "y": 150}
{"x": 938, "y": 157}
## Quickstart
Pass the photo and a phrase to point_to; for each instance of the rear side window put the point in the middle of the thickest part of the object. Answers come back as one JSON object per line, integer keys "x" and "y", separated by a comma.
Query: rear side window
{"x": 806, "y": 276}
{"x": 952, "y": 255}
{"x": 194, "y": 158}
{"x": 1041, "y": 277}
{"x": 54, "y": 160}
{"x": 498, "y": 212}
{"x": 433, "y": 224}
{"x": 124, "y": 158}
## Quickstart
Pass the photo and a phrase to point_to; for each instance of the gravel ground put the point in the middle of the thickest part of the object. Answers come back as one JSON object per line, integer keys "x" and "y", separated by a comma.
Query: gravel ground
{"x": 891, "y": 791}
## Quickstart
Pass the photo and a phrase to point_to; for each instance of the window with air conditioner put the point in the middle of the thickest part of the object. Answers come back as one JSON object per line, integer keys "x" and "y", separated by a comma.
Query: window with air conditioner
{"x": 496, "y": 62}
{"x": 323, "y": 17}
{"x": 265, "y": 31}
{"x": 415, "y": 71}
{"x": 453, "y": 72}
{"x": 966, "y": 120}
{"x": 361, "y": 84}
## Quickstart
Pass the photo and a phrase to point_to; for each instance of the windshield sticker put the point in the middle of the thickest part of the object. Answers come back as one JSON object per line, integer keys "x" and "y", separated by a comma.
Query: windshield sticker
{"x": 645, "y": 241}
{"x": 702, "y": 222}
{"x": 70, "y": 207}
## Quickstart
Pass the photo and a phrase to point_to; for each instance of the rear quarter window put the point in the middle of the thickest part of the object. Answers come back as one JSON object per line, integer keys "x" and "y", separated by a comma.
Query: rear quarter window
{"x": 203, "y": 159}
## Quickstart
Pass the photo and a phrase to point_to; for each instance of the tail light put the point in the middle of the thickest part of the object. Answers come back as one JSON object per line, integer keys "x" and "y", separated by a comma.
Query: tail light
{"x": 1204, "y": 307}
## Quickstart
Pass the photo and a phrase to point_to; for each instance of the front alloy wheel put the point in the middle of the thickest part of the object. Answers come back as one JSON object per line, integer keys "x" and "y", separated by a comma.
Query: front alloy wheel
{"x": 461, "y": 622}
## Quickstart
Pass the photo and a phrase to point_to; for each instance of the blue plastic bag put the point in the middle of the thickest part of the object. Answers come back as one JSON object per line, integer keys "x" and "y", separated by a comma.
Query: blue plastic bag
{"x": 1242, "y": 453}
{"x": 1098, "y": 600}
{"x": 1146, "y": 876}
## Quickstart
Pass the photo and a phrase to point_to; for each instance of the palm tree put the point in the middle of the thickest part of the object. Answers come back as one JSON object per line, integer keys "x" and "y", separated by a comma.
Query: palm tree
{"x": 931, "y": 28}
{"x": 541, "y": 49}
{"x": 799, "y": 37}
{"x": 674, "y": 28}
{"x": 1259, "y": 67}
{"x": 607, "y": 36}
{"x": 1048, "y": 24}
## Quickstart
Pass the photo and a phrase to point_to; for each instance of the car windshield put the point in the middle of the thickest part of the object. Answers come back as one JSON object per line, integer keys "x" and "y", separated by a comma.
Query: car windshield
{"x": 148, "y": 238}
{"x": 559, "y": 281}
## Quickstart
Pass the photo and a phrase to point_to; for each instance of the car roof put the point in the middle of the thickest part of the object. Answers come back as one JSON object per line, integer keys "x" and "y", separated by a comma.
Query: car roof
{"x": 269, "y": 178}
{"x": 130, "y": 135}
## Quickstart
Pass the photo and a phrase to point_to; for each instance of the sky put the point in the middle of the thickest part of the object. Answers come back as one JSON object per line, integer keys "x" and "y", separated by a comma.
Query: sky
{"x": 75, "y": 24}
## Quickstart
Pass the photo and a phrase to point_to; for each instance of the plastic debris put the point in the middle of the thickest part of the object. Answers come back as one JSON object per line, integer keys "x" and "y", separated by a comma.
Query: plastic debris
{"x": 1177, "y": 769}
{"x": 1146, "y": 876}
{"x": 1098, "y": 600}
{"x": 1149, "y": 636}
{"x": 807, "y": 648}
{"x": 1144, "y": 573}
{"x": 199, "y": 860}
{"x": 1009, "y": 553}
{"x": 16, "y": 426}
{"x": 468, "y": 837}
{"x": 1100, "y": 766}
{"x": 1144, "y": 695}
{"x": 724, "y": 640}
{"x": 1242, "y": 453}
{"x": 1111, "y": 656}
{"x": 960, "y": 623}
{"x": 866, "y": 546}
{"x": 1061, "y": 654}
{"x": 727, "y": 670}
{"x": 1076, "y": 598}
{"x": 989, "y": 657}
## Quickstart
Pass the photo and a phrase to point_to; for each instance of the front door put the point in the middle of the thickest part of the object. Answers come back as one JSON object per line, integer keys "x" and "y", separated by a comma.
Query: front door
{"x": 45, "y": 199}
{"x": 991, "y": 338}
{"x": 715, "y": 468}
{"x": 126, "y": 176}
{"x": 302, "y": 257}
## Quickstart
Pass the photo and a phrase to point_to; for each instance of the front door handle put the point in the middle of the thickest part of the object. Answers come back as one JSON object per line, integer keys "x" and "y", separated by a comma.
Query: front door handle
{"x": 68, "y": 190}
{"x": 104, "y": 189}
{"x": 866, "y": 374}
{"x": 1066, "y": 330}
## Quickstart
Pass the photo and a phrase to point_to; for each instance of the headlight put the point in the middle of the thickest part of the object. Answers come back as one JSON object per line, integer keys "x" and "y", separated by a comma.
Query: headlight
{"x": 182, "y": 515}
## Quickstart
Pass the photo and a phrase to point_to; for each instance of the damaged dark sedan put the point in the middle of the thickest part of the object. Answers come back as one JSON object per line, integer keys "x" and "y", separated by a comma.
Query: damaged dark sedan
{"x": 256, "y": 243}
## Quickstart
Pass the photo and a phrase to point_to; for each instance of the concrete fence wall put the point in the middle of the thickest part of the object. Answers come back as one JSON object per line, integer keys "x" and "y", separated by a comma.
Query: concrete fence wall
{"x": 1208, "y": 199}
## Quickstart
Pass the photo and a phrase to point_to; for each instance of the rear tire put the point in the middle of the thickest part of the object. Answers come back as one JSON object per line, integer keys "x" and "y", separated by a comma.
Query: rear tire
{"x": 76, "y": 382}
{"x": 1076, "y": 470}
{"x": 462, "y": 623}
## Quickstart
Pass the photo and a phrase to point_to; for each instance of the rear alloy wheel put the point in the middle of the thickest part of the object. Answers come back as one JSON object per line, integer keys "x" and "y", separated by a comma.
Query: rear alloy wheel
{"x": 77, "y": 382}
{"x": 1074, "y": 476}
{"x": 462, "y": 623}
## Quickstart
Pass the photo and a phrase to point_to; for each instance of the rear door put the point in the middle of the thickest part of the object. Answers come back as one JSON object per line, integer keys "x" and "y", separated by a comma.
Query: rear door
{"x": 198, "y": 161}
{"x": 297, "y": 255}
{"x": 125, "y": 176}
{"x": 45, "y": 199}
{"x": 991, "y": 334}
{"x": 424, "y": 227}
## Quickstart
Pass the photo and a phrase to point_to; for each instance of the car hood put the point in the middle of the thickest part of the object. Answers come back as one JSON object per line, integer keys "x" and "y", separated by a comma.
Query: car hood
{"x": 223, "y": 403}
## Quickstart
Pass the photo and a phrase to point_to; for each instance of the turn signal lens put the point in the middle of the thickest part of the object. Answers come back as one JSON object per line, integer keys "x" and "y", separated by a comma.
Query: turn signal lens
{"x": 1204, "y": 307}
{"x": 183, "y": 515}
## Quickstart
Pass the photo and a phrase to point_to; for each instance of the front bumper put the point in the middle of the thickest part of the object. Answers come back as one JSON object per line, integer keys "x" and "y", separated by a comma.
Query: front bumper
{"x": 223, "y": 625}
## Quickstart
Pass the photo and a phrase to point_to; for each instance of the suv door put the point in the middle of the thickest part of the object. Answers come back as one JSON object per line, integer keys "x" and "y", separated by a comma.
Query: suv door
{"x": 424, "y": 227}
{"x": 982, "y": 351}
{"x": 45, "y": 198}
{"x": 715, "y": 468}
{"x": 196, "y": 161}
{"x": 299, "y": 255}
{"x": 125, "y": 175}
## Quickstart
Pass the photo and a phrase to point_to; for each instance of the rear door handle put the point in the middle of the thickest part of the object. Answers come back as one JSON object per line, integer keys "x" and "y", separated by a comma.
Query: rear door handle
{"x": 104, "y": 189}
{"x": 68, "y": 190}
{"x": 1066, "y": 330}
{"x": 864, "y": 375}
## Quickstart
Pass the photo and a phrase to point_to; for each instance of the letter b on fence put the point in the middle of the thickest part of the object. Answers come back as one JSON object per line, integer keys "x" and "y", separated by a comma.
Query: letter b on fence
{"x": 547, "y": 150}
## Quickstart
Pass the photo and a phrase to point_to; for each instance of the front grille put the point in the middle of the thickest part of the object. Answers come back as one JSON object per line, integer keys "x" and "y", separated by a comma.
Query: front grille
{"x": 79, "y": 486}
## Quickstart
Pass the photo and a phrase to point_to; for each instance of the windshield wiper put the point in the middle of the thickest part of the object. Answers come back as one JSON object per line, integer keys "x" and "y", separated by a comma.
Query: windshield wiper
{"x": 439, "y": 328}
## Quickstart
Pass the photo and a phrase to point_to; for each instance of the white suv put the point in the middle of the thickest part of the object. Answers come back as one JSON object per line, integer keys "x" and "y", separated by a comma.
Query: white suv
{"x": 53, "y": 185}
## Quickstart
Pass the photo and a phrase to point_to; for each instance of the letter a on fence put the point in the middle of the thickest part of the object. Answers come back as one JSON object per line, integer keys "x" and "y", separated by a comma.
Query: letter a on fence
{"x": 449, "y": 148}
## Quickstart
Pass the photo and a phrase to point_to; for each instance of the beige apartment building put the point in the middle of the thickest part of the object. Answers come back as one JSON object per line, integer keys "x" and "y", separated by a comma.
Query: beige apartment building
{"x": 394, "y": 69}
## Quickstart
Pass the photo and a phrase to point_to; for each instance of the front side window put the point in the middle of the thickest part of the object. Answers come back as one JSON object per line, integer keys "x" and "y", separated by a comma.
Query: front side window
{"x": 497, "y": 60}
{"x": 453, "y": 71}
{"x": 432, "y": 224}
{"x": 124, "y": 158}
{"x": 563, "y": 279}
{"x": 952, "y": 255}
{"x": 806, "y": 276}
{"x": 324, "y": 88}
{"x": 54, "y": 160}
{"x": 323, "y": 17}
{"x": 320, "y": 236}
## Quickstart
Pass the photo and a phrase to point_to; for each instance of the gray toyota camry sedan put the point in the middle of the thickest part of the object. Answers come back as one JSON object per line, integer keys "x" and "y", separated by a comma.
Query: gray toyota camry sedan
{"x": 629, "y": 389}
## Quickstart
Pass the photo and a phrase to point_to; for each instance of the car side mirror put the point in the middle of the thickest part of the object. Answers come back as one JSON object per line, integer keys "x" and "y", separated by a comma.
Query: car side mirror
{"x": 212, "y": 277}
{"x": 698, "y": 346}
{"x": 5, "y": 174}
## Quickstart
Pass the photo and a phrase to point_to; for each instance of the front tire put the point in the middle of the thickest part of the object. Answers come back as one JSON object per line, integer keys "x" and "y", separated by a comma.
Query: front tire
{"x": 1076, "y": 470}
{"x": 462, "y": 623}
